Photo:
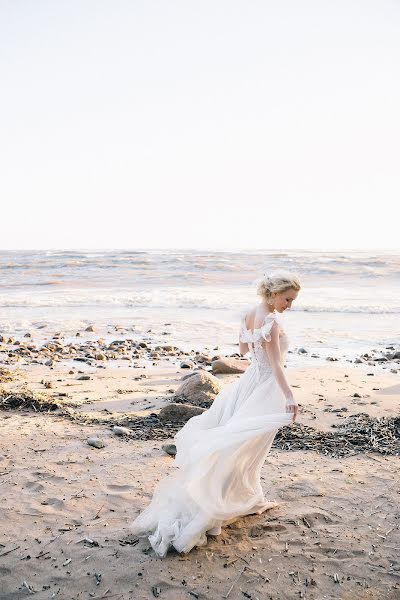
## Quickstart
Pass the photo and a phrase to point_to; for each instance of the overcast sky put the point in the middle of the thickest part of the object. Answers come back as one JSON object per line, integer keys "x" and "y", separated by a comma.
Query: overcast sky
{"x": 208, "y": 124}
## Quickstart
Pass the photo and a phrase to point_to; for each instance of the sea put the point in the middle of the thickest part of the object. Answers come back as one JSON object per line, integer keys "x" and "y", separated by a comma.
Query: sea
{"x": 349, "y": 302}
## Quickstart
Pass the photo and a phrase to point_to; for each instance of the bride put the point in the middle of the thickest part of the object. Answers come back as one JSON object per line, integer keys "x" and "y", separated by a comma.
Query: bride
{"x": 220, "y": 452}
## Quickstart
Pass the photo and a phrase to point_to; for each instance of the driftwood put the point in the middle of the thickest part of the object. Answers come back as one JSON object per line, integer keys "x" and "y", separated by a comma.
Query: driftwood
{"x": 357, "y": 433}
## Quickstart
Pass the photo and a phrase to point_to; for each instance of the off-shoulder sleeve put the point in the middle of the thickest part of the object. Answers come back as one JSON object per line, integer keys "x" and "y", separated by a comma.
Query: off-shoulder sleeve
{"x": 267, "y": 327}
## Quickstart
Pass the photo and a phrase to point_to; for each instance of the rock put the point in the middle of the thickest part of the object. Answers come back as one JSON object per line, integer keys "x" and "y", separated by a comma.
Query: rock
{"x": 199, "y": 388}
{"x": 229, "y": 366}
{"x": 84, "y": 378}
{"x": 95, "y": 442}
{"x": 169, "y": 449}
{"x": 49, "y": 363}
{"x": 302, "y": 351}
{"x": 90, "y": 328}
{"x": 121, "y": 430}
{"x": 356, "y": 395}
{"x": 190, "y": 374}
{"x": 358, "y": 361}
{"x": 100, "y": 356}
{"x": 176, "y": 413}
{"x": 28, "y": 335}
{"x": 187, "y": 364}
{"x": 332, "y": 359}
{"x": 203, "y": 358}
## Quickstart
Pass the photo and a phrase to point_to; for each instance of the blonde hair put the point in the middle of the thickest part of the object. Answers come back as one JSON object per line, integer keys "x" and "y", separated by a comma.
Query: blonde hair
{"x": 276, "y": 282}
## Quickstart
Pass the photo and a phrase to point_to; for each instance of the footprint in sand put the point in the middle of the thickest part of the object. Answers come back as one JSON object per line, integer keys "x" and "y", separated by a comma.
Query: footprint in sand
{"x": 33, "y": 486}
{"x": 315, "y": 518}
{"x": 262, "y": 530}
{"x": 119, "y": 489}
{"x": 55, "y": 502}
{"x": 47, "y": 476}
{"x": 300, "y": 489}
{"x": 337, "y": 553}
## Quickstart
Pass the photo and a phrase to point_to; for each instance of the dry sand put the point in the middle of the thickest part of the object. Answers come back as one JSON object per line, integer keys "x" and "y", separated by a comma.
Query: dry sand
{"x": 66, "y": 506}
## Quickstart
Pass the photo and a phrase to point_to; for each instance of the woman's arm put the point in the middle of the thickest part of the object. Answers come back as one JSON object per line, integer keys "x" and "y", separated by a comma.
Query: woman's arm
{"x": 274, "y": 356}
{"x": 243, "y": 347}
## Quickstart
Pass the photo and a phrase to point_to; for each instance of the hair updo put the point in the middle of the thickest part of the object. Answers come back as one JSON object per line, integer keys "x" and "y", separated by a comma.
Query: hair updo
{"x": 276, "y": 282}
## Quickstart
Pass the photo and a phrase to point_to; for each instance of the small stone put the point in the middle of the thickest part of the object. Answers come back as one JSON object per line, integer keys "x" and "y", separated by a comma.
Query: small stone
{"x": 95, "y": 442}
{"x": 90, "y": 328}
{"x": 28, "y": 335}
{"x": 302, "y": 351}
{"x": 187, "y": 364}
{"x": 169, "y": 449}
{"x": 121, "y": 430}
{"x": 49, "y": 363}
{"x": 84, "y": 378}
{"x": 100, "y": 356}
{"x": 356, "y": 395}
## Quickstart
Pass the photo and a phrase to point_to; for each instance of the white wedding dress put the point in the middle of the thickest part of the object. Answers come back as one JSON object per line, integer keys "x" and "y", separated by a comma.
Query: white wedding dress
{"x": 216, "y": 475}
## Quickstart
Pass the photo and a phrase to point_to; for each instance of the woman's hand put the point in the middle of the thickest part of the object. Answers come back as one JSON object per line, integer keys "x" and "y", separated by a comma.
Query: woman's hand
{"x": 292, "y": 407}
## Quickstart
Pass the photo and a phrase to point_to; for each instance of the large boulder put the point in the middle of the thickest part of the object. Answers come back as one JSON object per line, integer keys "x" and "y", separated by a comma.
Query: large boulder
{"x": 228, "y": 366}
{"x": 178, "y": 413}
{"x": 200, "y": 389}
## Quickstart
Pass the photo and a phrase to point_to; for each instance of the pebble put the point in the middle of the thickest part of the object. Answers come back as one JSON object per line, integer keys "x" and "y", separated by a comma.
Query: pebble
{"x": 169, "y": 449}
{"x": 187, "y": 364}
{"x": 121, "y": 430}
{"x": 90, "y": 328}
{"x": 84, "y": 378}
{"x": 95, "y": 442}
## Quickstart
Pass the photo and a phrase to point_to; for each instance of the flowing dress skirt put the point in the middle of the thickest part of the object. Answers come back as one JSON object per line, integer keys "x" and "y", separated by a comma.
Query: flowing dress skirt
{"x": 216, "y": 476}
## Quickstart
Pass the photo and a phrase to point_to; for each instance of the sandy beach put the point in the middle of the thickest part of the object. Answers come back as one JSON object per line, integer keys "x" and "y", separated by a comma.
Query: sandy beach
{"x": 66, "y": 505}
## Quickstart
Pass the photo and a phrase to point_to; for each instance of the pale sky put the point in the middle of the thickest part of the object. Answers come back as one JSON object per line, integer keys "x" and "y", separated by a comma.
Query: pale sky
{"x": 200, "y": 124}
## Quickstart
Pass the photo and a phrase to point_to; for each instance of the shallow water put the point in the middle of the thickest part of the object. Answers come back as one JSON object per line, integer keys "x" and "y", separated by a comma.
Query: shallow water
{"x": 349, "y": 302}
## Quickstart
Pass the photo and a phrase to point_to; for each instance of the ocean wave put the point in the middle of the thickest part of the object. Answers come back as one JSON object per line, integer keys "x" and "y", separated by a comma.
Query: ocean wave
{"x": 210, "y": 300}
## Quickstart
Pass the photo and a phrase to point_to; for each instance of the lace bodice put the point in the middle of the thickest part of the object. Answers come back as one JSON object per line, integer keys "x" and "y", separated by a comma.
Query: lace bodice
{"x": 255, "y": 340}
